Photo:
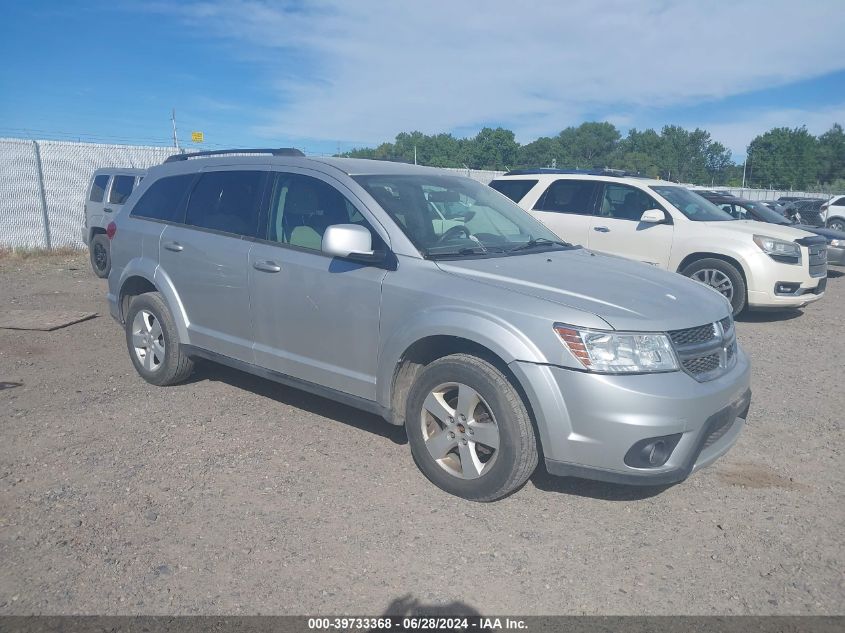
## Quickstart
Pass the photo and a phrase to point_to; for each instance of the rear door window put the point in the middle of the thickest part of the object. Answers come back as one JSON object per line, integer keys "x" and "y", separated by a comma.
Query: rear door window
{"x": 569, "y": 196}
{"x": 121, "y": 187}
{"x": 98, "y": 188}
{"x": 513, "y": 189}
{"x": 165, "y": 199}
{"x": 227, "y": 201}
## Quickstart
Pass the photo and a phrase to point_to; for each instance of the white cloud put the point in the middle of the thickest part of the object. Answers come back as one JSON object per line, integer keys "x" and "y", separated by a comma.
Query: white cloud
{"x": 736, "y": 135}
{"x": 363, "y": 70}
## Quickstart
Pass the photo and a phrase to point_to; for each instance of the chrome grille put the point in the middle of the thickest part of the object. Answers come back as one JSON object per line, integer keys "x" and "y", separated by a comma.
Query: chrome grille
{"x": 706, "y": 351}
{"x": 818, "y": 260}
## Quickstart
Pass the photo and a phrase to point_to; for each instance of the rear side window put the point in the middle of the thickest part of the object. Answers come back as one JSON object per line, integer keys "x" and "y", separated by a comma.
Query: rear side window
{"x": 840, "y": 202}
{"x": 98, "y": 188}
{"x": 165, "y": 199}
{"x": 227, "y": 201}
{"x": 121, "y": 187}
{"x": 513, "y": 189}
{"x": 568, "y": 196}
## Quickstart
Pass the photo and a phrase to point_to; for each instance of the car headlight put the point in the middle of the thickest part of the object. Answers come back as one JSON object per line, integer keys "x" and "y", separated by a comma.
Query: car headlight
{"x": 837, "y": 243}
{"x": 619, "y": 352}
{"x": 779, "y": 250}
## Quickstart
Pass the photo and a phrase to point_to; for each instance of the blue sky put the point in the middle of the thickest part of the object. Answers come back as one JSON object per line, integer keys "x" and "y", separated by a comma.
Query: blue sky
{"x": 333, "y": 74}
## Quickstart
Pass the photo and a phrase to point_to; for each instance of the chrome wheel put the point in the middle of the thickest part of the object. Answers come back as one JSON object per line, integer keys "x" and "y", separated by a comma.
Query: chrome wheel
{"x": 148, "y": 340}
{"x": 837, "y": 225}
{"x": 717, "y": 279}
{"x": 459, "y": 430}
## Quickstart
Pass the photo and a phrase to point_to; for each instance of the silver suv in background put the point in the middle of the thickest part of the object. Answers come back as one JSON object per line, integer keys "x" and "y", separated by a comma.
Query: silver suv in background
{"x": 435, "y": 302}
{"x": 107, "y": 192}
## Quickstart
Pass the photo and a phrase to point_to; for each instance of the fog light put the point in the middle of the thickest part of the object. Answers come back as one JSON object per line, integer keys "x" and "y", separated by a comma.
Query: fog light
{"x": 652, "y": 452}
{"x": 785, "y": 288}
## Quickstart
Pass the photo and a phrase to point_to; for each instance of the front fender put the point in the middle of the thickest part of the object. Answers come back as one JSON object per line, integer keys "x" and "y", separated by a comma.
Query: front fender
{"x": 481, "y": 328}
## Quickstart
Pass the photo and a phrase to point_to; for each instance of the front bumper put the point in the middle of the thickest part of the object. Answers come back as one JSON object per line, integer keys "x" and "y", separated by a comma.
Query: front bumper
{"x": 588, "y": 422}
{"x": 836, "y": 255}
{"x": 765, "y": 275}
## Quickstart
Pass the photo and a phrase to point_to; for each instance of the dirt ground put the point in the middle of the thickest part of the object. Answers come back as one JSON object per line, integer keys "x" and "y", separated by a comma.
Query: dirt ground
{"x": 233, "y": 495}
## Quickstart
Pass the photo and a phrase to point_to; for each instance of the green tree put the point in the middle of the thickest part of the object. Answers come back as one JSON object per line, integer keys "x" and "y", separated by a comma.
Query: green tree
{"x": 589, "y": 145}
{"x": 544, "y": 152}
{"x": 783, "y": 158}
{"x": 831, "y": 155}
{"x": 493, "y": 149}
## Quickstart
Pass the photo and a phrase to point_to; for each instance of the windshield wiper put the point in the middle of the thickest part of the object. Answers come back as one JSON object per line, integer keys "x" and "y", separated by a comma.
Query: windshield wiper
{"x": 534, "y": 242}
{"x": 461, "y": 252}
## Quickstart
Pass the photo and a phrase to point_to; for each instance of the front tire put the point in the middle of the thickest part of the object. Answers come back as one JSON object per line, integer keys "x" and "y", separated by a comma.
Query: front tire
{"x": 153, "y": 341}
{"x": 469, "y": 430}
{"x": 722, "y": 276}
{"x": 837, "y": 224}
{"x": 99, "y": 251}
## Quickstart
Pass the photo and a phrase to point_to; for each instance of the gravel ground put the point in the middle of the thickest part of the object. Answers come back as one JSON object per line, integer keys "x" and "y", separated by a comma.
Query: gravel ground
{"x": 231, "y": 494}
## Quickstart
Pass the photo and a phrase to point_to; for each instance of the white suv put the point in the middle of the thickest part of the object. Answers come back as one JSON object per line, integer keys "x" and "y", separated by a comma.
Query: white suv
{"x": 833, "y": 212}
{"x": 753, "y": 265}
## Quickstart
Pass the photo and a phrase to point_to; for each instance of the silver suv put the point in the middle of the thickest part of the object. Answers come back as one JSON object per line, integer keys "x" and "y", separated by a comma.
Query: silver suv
{"x": 435, "y": 302}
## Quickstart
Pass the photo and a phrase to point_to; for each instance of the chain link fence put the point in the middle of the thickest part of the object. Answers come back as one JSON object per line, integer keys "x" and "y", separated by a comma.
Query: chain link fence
{"x": 43, "y": 186}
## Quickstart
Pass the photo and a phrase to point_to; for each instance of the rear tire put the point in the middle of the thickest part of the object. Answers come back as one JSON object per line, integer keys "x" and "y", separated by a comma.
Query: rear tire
{"x": 722, "y": 276}
{"x": 153, "y": 341}
{"x": 837, "y": 224}
{"x": 99, "y": 251}
{"x": 484, "y": 455}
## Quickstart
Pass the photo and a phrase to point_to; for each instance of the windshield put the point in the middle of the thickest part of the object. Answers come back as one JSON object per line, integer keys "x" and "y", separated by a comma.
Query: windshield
{"x": 692, "y": 205}
{"x": 452, "y": 216}
{"x": 765, "y": 213}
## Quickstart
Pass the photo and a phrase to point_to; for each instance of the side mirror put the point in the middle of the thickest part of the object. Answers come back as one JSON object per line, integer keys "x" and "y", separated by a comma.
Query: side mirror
{"x": 349, "y": 241}
{"x": 653, "y": 216}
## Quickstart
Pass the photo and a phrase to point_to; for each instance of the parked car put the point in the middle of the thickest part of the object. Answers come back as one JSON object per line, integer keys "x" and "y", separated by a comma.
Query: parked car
{"x": 108, "y": 190}
{"x": 774, "y": 206}
{"x": 668, "y": 226}
{"x": 742, "y": 209}
{"x": 806, "y": 211}
{"x": 833, "y": 212}
{"x": 491, "y": 342}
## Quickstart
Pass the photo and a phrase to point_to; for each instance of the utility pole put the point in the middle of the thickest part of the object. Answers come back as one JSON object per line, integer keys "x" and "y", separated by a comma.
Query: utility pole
{"x": 173, "y": 121}
{"x": 415, "y": 154}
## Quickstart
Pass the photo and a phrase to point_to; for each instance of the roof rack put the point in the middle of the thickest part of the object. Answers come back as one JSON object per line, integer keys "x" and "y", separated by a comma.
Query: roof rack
{"x": 598, "y": 171}
{"x": 280, "y": 151}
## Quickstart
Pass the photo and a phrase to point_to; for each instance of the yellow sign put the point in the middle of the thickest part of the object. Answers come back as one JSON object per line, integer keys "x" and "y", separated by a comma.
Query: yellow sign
{"x": 197, "y": 137}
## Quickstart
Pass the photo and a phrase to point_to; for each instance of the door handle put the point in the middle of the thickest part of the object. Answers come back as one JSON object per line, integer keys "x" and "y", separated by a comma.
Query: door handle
{"x": 601, "y": 229}
{"x": 267, "y": 267}
{"x": 108, "y": 210}
{"x": 173, "y": 246}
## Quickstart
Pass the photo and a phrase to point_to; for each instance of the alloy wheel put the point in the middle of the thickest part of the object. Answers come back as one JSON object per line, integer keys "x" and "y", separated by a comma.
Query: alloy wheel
{"x": 459, "y": 430}
{"x": 717, "y": 279}
{"x": 100, "y": 256}
{"x": 148, "y": 340}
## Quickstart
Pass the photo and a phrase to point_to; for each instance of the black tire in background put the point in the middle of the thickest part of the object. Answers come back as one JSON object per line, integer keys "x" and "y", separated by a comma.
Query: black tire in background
{"x": 702, "y": 266}
{"x": 517, "y": 454}
{"x": 175, "y": 366}
{"x": 99, "y": 251}
{"x": 836, "y": 224}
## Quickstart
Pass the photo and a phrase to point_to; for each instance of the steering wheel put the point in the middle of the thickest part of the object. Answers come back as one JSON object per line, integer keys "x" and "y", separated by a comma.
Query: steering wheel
{"x": 453, "y": 232}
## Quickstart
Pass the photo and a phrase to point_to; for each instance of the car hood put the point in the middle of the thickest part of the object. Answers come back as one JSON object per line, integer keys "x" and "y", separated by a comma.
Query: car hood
{"x": 830, "y": 234}
{"x": 753, "y": 227}
{"x": 628, "y": 295}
